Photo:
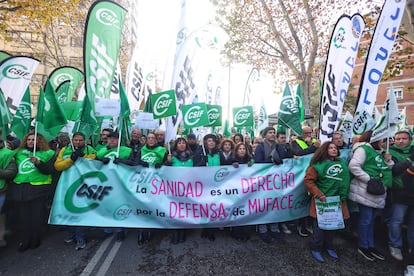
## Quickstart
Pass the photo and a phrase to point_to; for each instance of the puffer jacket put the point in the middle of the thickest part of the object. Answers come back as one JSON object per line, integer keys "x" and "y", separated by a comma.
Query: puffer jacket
{"x": 358, "y": 189}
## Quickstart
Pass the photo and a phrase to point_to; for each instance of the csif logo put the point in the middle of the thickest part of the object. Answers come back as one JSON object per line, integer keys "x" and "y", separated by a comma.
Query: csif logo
{"x": 93, "y": 192}
{"x": 16, "y": 71}
{"x": 290, "y": 105}
{"x": 213, "y": 115}
{"x": 221, "y": 174}
{"x": 26, "y": 166}
{"x": 241, "y": 116}
{"x": 107, "y": 17}
{"x": 334, "y": 170}
{"x": 193, "y": 115}
{"x": 150, "y": 157}
{"x": 162, "y": 104}
{"x": 58, "y": 79}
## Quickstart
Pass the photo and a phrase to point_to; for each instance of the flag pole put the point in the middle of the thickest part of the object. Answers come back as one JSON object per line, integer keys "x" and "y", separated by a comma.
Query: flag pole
{"x": 119, "y": 138}
{"x": 35, "y": 140}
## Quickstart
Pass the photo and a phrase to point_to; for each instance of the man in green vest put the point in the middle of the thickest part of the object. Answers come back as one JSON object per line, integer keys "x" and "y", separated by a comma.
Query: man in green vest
{"x": 8, "y": 171}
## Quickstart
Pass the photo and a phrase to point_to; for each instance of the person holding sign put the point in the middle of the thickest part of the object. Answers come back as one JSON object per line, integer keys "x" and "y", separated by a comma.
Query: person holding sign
{"x": 181, "y": 156}
{"x": 67, "y": 156}
{"x": 326, "y": 176}
{"x": 208, "y": 155}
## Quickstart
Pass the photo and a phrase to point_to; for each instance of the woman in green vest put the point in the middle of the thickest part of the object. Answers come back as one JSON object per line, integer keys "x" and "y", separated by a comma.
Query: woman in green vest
{"x": 181, "y": 156}
{"x": 327, "y": 175}
{"x": 31, "y": 186}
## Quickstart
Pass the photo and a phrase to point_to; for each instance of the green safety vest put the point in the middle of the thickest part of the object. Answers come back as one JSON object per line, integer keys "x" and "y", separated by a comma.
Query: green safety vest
{"x": 153, "y": 156}
{"x": 376, "y": 167}
{"x": 175, "y": 162}
{"x": 333, "y": 178}
{"x": 124, "y": 152}
{"x": 27, "y": 172}
{"x": 6, "y": 155}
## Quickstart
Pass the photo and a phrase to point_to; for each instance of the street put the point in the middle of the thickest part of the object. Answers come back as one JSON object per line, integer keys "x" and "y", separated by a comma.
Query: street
{"x": 196, "y": 256}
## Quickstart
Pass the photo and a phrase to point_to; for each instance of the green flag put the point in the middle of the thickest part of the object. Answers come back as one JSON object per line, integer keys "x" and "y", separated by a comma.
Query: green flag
{"x": 299, "y": 103}
{"x": 289, "y": 115}
{"x": 22, "y": 118}
{"x": 5, "y": 116}
{"x": 124, "y": 120}
{"x": 214, "y": 115}
{"x": 243, "y": 116}
{"x": 62, "y": 91}
{"x": 164, "y": 104}
{"x": 87, "y": 123}
{"x": 194, "y": 115}
{"x": 49, "y": 111}
{"x": 68, "y": 74}
{"x": 227, "y": 130}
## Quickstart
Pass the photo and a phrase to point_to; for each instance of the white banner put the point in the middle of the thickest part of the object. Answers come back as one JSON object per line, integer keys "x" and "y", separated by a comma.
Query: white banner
{"x": 378, "y": 55}
{"x": 15, "y": 76}
{"x": 338, "y": 71}
{"x": 107, "y": 107}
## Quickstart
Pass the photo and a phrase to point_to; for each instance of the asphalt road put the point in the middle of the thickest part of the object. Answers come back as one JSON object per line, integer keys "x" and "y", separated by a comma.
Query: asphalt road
{"x": 196, "y": 256}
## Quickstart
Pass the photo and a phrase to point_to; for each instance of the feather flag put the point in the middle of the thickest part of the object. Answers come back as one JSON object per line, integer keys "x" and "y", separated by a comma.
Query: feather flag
{"x": 299, "y": 103}
{"x": 263, "y": 119}
{"x": 5, "y": 116}
{"x": 289, "y": 114}
{"x": 21, "y": 120}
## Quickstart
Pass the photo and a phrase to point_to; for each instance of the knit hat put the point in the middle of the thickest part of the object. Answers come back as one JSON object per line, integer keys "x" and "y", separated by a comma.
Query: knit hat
{"x": 266, "y": 130}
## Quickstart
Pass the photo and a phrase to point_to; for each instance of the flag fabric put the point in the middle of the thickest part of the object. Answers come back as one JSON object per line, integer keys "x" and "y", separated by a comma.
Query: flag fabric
{"x": 377, "y": 114}
{"x": 164, "y": 104}
{"x": 5, "y": 116}
{"x": 102, "y": 41}
{"x": 4, "y": 55}
{"x": 404, "y": 124}
{"x": 124, "y": 120}
{"x": 289, "y": 114}
{"x": 243, "y": 116}
{"x": 338, "y": 71}
{"x": 194, "y": 115}
{"x": 71, "y": 75}
{"x": 227, "y": 129}
{"x": 49, "y": 110}
{"x": 22, "y": 118}
{"x": 387, "y": 125}
{"x": 299, "y": 103}
{"x": 263, "y": 119}
{"x": 214, "y": 113}
{"x": 381, "y": 47}
{"x": 15, "y": 75}
{"x": 62, "y": 91}
{"x": 87, "y": 122}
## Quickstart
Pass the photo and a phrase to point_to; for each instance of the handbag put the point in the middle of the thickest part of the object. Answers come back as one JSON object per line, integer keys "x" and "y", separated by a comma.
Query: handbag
{"x": 375, "y": 187}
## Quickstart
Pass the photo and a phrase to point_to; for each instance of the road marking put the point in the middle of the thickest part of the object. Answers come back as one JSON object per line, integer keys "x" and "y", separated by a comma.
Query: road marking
{"x": 109, "y": 258}
{"x": 98, "y": 255}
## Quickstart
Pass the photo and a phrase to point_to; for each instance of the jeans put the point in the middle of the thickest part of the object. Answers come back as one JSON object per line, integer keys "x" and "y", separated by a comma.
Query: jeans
{"x": 321, "y": 238}
{"x": 366, "y": 226}
{"x": 394, "y": 231}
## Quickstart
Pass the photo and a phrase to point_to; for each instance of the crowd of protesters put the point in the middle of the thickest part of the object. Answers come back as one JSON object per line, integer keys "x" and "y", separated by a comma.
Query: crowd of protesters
{"x": 30, "y": 169}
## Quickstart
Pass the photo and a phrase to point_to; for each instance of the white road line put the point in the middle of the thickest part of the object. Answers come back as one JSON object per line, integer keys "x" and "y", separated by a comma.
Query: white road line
{"x": 109, "y": 258}
{"x": 98, "y": 255}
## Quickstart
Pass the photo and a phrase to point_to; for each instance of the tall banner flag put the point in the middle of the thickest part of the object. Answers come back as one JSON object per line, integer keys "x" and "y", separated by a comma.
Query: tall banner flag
{"x": 243, "y": 116}
{"x": 101, "y": 46}
{"x": 164, "y": 104}
{"x": 263, "y": 119}
{"x": 196, "y": 64}
{"x": 299, "y": 103}
{"x": 338, "y": 71}
{"x": 15, "y": 75}
{"x": 387, "y": 125}
{"x": 379, "y": 52}
{"x": 21, "y": 120}
{"x": 134, "y": 81}
{"x": 214, "y": 113}
{"x": 66, "y": 73}
{"x": 289, "y": 114}
{"x": 195, "y": 115}
{"x": 5, "y": 117}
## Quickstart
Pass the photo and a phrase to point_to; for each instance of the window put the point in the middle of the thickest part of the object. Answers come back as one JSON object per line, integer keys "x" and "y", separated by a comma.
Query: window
{"x": 398, "y": 91}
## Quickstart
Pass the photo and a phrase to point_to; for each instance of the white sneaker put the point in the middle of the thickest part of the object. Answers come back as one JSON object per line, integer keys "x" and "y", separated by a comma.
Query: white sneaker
{"x": 409, "y": 271}
{"x": 285, "y": 229}
{"x": 396, "y": 253}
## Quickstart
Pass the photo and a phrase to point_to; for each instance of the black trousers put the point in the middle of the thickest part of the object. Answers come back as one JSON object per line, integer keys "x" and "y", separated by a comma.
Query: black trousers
{"x": 31, "y": 217}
